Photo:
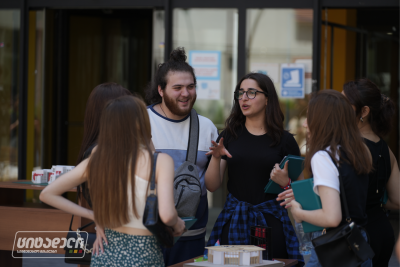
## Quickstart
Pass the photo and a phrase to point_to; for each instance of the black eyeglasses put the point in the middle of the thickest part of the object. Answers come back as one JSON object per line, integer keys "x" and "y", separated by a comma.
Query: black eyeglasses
{"x": 251, "y": 94}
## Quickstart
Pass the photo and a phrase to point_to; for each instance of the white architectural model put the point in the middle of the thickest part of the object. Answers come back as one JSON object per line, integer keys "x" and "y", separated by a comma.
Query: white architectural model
{"x": 235, "y": 255}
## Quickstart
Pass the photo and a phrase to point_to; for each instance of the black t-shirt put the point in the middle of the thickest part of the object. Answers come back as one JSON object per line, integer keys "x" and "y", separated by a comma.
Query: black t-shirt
{"x": 252, "y": 161}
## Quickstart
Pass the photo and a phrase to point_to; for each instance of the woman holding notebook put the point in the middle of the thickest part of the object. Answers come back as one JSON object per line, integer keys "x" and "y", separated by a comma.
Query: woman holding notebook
{"x": 374, "y": 114}
{"x": 251, "y": 146}
{"x": 335, "y": 146}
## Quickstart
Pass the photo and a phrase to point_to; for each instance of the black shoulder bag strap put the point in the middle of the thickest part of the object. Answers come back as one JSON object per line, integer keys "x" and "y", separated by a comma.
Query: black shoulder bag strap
{"x": 193, "y": 142}
{"x": 153, "y": 174}
{"x": 342, "y": 191}
{"x": 80, "y": 228}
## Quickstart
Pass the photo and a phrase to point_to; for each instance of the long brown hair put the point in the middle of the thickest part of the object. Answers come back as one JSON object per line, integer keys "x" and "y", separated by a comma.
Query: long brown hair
{"x": 124, "y": 134}
{"x": 331, "y": 122}
{"x": 274, "y": 118}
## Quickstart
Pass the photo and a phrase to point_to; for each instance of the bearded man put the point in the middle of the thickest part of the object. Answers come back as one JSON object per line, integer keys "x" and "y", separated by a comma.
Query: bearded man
{"x": 173, "y": 94}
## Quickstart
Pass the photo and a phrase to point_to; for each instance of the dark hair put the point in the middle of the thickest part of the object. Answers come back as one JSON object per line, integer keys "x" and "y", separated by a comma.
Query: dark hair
{"x": 364, "y": 92}
{"x": 124, "y": 135}
{"x": 176, "y": 62}
{"x": 274, "y": 118}
{"x": 331, "y": 122}
{"x": 98, "y": 98}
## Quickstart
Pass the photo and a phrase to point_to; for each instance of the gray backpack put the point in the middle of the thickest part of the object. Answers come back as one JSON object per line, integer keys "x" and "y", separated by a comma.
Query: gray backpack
{"x": 187, "y": 186}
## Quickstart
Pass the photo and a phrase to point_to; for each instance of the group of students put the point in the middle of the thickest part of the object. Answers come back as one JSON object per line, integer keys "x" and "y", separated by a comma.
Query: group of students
{"x": 121, "y": 134}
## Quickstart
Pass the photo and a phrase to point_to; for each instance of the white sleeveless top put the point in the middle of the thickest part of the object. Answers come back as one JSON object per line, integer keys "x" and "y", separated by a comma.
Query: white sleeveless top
{"x": 140, "y": 202}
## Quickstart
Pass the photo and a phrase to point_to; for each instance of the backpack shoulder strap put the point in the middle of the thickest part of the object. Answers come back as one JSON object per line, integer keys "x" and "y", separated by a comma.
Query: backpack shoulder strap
{"x": 193, "y": 143}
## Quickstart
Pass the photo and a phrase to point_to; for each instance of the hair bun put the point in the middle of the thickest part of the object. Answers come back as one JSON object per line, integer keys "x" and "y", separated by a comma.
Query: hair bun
{"x": 178, "y": 55}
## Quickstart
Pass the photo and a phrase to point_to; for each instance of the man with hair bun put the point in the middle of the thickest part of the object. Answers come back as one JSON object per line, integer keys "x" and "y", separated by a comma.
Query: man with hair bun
{"x": 172, "y": 95}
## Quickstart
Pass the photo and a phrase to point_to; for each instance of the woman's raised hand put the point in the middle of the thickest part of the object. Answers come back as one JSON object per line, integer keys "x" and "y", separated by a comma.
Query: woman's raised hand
{"x": 218, "y": 150}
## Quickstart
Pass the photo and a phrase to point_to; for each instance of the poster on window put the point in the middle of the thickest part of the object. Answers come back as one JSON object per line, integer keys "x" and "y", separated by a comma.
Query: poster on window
{"x": 292, "y": 80}
{"x": 207, "y": 68}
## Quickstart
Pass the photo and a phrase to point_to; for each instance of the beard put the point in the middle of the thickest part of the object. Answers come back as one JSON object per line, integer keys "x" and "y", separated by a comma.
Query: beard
{"x": 172, "y": 105}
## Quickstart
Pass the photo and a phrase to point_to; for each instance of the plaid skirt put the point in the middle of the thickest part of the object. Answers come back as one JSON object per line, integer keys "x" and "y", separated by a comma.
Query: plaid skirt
{"x": 129, "y": 250}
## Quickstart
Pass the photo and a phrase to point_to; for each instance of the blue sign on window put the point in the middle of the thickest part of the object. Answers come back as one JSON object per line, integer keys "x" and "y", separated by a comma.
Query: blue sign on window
{"x": 292, "y": 81}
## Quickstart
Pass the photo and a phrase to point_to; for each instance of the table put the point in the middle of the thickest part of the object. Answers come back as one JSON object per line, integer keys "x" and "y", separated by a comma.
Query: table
{"x": 17, "y": 215}
{"x": 17, "y": 185}
{"x": 288, "y": 262}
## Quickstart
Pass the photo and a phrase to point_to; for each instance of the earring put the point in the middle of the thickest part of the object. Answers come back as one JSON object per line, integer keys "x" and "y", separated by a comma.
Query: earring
{"x": 361, "y": 119}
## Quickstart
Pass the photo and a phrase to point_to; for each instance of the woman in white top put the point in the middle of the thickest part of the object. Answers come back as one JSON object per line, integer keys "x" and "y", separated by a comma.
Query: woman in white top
{"x": 118, "y": 173}
{"x": 334, "y": 144}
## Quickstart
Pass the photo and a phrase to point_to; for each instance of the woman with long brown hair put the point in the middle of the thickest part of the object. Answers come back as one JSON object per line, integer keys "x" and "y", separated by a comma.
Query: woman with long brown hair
{"x": 118, "y": 173}
{"x": 334, "y": 144}
{"x": 374, "y": 115}
{"x": 251, "y": 146}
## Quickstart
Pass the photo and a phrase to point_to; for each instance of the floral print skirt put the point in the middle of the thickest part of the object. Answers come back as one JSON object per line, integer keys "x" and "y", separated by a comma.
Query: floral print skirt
{"x": 129, "y": 250}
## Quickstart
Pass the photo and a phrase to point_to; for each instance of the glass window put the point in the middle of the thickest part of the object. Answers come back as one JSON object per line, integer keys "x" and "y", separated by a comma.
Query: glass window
{"x": 283, "y": 36}
{"x": 209, "y": 37}
{"x": 9, "y": 76}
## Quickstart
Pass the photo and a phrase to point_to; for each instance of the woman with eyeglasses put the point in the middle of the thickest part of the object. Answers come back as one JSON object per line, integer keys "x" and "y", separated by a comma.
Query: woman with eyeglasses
{"x": 251, "y": 146}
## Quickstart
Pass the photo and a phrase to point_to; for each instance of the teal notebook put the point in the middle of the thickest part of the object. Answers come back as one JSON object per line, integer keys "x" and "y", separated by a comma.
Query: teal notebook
{"x": 189, "y": 221}
{"x": 296, "y": 167}
{"x": 304, "y": 194}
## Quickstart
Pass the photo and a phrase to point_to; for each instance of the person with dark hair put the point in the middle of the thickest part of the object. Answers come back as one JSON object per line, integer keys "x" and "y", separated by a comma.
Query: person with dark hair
{"x": 374, "y": 113}
{"x": 251, "y": 146}
{"x": 334, "y": 147}
{"x": 118, "y": 172}
{"x": 172, "y": 95}
{"x": 98, "y": 98}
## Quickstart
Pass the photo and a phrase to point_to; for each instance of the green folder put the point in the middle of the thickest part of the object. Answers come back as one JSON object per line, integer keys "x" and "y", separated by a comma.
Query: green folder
{"x": 304, "y": 194}
{"x": 189, "y": 221}
{"x": 296, "y": 167}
